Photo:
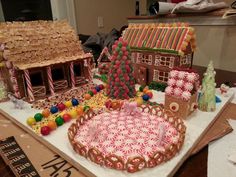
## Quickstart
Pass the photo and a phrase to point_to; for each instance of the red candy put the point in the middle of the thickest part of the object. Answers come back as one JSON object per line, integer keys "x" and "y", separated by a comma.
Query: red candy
{"x": 61, "y": 106}
{"x": 150, "y": 94}
{"x": 45, "y": 130}
{"x": 94, "y": 91}
{"x": 66, "y": 117}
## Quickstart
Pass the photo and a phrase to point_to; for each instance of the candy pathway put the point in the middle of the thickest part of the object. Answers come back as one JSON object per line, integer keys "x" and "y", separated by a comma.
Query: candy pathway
{"x": 127, "y": 135}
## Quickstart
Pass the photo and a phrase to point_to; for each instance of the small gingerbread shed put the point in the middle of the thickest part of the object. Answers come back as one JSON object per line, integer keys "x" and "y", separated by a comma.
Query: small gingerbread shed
{"x": 181, "y": 92}
{"x": 104, "y": 61}
{"x": 43, "y": 57}
{"x": 157, "y": 48}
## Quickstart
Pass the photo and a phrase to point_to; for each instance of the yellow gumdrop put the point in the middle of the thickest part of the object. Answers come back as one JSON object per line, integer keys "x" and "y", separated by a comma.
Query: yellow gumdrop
{"x": 139, "y": 101}
{"x": 73, "y": 113}
{"x": 31, "y": 121}
{"x": 68, "y": 104}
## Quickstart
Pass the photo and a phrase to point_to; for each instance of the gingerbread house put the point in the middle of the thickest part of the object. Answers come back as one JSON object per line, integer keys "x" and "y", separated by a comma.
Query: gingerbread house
{"x": 181, "y": 93}
{"x": 43, "y": 57}
{"x": 157, "y": 48}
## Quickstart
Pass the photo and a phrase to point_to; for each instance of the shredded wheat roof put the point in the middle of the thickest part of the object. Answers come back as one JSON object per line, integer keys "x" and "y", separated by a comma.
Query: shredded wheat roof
{"x": 40, "y": 43}
{"x": 160, "y": 37}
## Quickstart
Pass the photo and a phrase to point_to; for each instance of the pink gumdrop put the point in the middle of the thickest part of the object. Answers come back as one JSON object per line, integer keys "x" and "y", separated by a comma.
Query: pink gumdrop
{"x": 117, "y": 62}
{"x": 119, "y": 71}
{"x": 126, "y": 53}
{"x": 124, "y": 58}
{"x": 117, "y": 79}
{"x": 123, "y": 49}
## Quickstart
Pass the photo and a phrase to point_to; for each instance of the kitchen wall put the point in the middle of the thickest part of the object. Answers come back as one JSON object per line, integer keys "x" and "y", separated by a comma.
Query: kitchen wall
{"x": 111, "y": 14}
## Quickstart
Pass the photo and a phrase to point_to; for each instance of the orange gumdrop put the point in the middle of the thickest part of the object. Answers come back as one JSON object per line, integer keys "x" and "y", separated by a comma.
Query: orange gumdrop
{"x": 87, "y": 96}
{"x": 46, "y": 112}
{"x": 80, "y": 111}
{"x": 145, "y": 90}
{"x": 52, "y": 125}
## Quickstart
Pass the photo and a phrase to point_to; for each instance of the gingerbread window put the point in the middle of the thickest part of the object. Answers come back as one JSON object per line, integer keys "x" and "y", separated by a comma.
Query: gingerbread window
{"x": 160, "y": 76}
{"x": 186, "y": 60}
{"x": 164, "y": 61}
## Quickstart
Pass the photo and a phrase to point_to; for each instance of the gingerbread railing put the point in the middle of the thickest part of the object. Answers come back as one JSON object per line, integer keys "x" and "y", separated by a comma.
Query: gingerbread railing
{"x": 39, "y": 91}
{"x": 136, "y": 163}
{"x": 61, "y": 84}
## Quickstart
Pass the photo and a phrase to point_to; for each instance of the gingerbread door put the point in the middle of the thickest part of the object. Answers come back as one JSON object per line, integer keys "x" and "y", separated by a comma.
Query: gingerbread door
{"x": 141, "y": 75}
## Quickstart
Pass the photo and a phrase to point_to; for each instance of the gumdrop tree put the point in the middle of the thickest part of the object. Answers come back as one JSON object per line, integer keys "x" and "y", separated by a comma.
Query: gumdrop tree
{"x": 121, "y": 82}
{"x": 207, "y": 100}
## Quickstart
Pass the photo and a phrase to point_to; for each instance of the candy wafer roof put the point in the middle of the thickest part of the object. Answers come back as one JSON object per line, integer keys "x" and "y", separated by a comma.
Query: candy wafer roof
{"x": 170, "y": 38}
{"x": 40, "y": 43}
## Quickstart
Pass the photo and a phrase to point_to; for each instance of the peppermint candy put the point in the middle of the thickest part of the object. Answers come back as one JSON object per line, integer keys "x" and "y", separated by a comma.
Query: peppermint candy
{"x": 186, "y": 95}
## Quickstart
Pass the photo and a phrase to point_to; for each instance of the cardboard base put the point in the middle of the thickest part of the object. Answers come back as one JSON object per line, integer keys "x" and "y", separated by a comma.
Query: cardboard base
{"x": 197, "y": 124}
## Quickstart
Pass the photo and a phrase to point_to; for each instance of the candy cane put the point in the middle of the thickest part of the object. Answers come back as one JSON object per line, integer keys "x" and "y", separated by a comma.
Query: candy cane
{"x": 72, "y": 74}
{"x": 89, "y": 69}
{"x": 50, "y": 81}
{"x": 29, "y": 85}
{"x": 14, "y": 83}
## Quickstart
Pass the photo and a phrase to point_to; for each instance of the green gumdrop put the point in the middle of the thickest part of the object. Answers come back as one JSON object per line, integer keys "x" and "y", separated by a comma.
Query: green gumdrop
{"x": 86, "y": 108}
{"x": 90, "y": 93}
{"x": 38, "y": 117}
{"x": 118, "y": 49}
{"x": 128, "y": 48}
{"x": 59, "y": 121}
{"x": 120, "y": 53}
{"x": 120, "y": 44}
{"x": 141, "y": 88}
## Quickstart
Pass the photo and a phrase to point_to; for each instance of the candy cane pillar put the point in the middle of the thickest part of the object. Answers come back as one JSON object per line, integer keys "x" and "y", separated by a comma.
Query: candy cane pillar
{"x": 86, "y": 64}
{"x": 72, "y": 74}
{"x": 29, "y": 85}
{"x": 50, "y": 81}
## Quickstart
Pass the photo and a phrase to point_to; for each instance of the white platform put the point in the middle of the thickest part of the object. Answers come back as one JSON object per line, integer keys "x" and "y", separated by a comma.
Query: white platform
{"x": 196, "y": 125}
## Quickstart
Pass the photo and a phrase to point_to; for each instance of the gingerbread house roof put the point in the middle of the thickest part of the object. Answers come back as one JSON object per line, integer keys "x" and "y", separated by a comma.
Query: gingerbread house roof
{"x": 40, "y": 43}
{"x": 182, "y": 83}
{"x": 170, "y": 38}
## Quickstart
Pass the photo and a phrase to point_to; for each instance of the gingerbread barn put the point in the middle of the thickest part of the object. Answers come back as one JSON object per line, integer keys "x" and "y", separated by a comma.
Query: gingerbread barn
{"x": 157, "y": 48}
{"x": 104, "y": 61}
{"x": 182, "y": 92}
{"x": 42, "y": 58}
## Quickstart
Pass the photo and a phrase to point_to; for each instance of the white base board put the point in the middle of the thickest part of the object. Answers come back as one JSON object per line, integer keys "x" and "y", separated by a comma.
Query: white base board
{"x": 196, "y": 124}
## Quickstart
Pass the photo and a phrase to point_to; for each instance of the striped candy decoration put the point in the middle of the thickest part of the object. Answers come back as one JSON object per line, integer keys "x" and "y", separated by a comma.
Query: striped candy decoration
{"x": 29, "y": 86}
{"x": 50, "y": 81}
{"x": 86, "y": 64}
{"x": 72, "y": 74}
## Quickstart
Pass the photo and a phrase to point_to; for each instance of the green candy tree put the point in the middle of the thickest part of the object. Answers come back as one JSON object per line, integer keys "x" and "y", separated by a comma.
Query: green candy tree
{"x": 207, "y": 100}
{"x": 121, "y": 82}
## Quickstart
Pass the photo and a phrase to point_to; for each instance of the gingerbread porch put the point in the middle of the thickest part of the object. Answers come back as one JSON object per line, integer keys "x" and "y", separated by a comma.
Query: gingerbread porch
{"x": 42, "y": 58}
{"x": 157, "y": 48}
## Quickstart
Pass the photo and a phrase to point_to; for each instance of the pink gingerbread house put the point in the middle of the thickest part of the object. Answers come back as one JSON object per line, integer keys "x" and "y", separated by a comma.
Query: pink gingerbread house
{"x": 181, "y": 92}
